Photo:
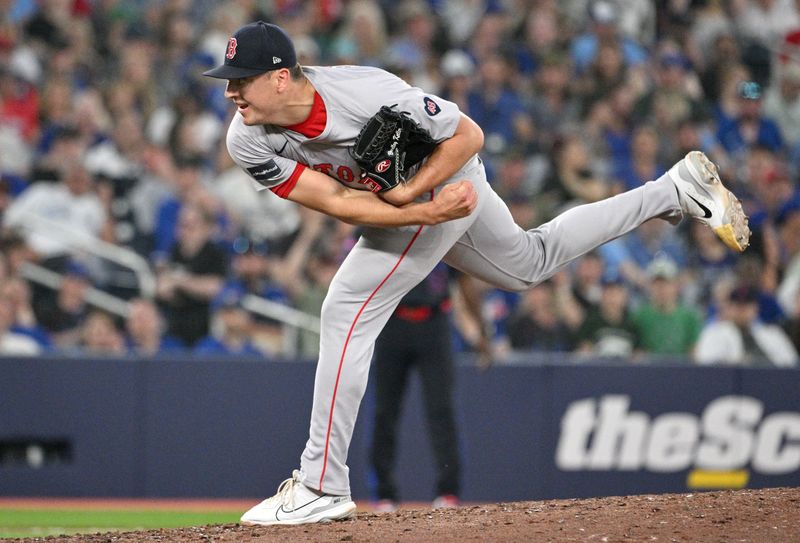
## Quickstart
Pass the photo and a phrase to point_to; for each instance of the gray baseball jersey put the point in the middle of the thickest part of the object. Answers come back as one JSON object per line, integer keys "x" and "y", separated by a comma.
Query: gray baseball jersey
{"x": 387, "y": 262}
{"x": 346, "y": 97}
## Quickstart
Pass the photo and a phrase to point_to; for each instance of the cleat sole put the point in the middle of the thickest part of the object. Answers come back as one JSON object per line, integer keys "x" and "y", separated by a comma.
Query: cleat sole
{"x": 734, "y": 230}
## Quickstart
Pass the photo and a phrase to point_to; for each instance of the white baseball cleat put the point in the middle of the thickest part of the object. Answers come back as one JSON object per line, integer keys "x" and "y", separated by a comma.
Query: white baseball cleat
{"x": 295, "y": 503}
{"x": 704, "y": 198}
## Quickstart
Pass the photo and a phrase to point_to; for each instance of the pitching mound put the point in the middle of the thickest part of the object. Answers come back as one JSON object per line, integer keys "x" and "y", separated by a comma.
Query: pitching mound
{"x": 767, "y": 515}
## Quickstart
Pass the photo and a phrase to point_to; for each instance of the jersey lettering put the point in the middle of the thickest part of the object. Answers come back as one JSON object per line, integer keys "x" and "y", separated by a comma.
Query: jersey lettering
{"x": 342, "y": 172}
{"x": 325, "y": 167}
{"x": 345, "y": 174}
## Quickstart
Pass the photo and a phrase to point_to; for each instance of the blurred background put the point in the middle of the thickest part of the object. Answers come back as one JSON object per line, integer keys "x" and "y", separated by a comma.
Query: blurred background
{"x": 145, "y": 288}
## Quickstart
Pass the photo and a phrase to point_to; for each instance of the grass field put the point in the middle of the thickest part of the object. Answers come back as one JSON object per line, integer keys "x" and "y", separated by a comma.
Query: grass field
{"x": 16, "y": 523}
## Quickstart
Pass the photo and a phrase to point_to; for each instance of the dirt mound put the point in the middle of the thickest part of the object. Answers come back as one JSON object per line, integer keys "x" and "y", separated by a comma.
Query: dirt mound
{"x": 766, "y": 515}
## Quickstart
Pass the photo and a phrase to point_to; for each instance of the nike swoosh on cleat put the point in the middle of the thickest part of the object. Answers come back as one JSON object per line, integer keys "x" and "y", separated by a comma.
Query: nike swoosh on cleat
{"x": 282, "y": 510}
{"x": 706, "y": 211}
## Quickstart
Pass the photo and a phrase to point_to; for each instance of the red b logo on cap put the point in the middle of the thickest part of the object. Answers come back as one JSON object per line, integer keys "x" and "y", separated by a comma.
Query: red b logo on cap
{"x": 231, "y": 49}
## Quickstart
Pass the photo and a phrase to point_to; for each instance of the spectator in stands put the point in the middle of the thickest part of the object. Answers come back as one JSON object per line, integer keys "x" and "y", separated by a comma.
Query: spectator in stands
{"x": 137, "y": 76}
{"x": 191, "y": 129}
{"x": 362, "y": 36}
{"x": 711, "y": 262}
{"x": 542, "y": 322}
{"x": 63, "y": 315}
{"x": 13, "y": 343}
{"x": 222, "y": 18}
{"x": 119, "y": 157}
{"x": 100, "y": 335}
{"x": 16, "y": 253}
{"x": 19, "y": 103}
{"x": 64, "y": 145}
{"x": 586, "y": 284}
{"x": 257, "y": 215}
{"x": 44, "y": 212}
{"x": 728, "y": 102}
{"x": 611, "y": 124}
{"x": 5, "y": 196}
{"x": 691, "y": 134}
{"x": 191, "y": 277}
{"x": 498, "y": 108}
{"x": 720, "y": 57}
{"x": 630, "y": 254}
{"x": 305, "y": 272}
{"x": 603, "y": 76}
{"x": 541, "y": 39}
{"x": 664, "y": 325}
{"x": 765, "y": 22}
{"x": 749, "y": 126}
{"x": 252, "y": 273}
{"x": 739, "y": 338}
{"x": 603, "y": 30}
{"x": 758, "y": 273}
{"x": 186, "y": 178}
{"x": 143, "y": 200}
{"x": 17, "y": 293}
{"x": 411, "y": 48}
{"x": 145, "y": 329}
{"x": 177, "y": 54}
{"x": 57, "y": 111}
{"x": 552, "y": 103}
{"x": 643, "y": 161}
{"x": 576, "y": 177}
{"x": 234, "y": 334}
{"x": 457, "y": 69}
{"x": 782, "y": 103}
{"x": 608, "y": 331}
{"x": 675, "y": 95}
{"x": 49, "y": 24}
{"x": 769, "y": 184}
{"x": 462, "y": 17}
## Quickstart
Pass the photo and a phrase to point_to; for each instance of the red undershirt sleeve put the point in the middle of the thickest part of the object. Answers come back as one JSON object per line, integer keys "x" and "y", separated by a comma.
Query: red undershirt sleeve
{"x": 286, "y": 187}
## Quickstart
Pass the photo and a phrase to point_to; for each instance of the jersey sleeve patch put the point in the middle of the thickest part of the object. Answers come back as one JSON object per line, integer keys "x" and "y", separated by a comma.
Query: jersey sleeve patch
{"x": 431, "y": 107}
{"x": 263, "y": 173}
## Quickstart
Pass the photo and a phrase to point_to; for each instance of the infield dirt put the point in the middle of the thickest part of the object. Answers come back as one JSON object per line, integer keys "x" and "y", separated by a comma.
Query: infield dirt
{"x": 765, "y": 515}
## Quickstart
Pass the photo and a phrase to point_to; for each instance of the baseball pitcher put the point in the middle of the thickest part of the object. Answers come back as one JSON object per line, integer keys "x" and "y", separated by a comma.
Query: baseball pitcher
{"x": 361, "y": 145}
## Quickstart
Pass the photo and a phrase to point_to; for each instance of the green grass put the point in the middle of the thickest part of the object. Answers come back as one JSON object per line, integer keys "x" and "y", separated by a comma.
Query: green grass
{"x": 40, "y": 523}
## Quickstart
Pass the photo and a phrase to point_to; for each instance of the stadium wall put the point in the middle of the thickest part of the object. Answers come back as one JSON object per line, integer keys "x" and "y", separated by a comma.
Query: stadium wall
{"x": 235, "y": 428}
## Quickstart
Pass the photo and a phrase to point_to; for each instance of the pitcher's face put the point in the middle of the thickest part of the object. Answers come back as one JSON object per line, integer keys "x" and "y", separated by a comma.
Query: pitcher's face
{"x": 258, "y": 97}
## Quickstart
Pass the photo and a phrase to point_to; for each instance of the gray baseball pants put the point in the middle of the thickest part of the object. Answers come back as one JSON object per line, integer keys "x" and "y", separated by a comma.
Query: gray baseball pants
{"x": 387, "y": 262}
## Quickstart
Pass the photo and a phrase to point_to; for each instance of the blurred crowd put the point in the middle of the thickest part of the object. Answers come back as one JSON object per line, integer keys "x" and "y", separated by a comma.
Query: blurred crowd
{"x": 111, "y": 138}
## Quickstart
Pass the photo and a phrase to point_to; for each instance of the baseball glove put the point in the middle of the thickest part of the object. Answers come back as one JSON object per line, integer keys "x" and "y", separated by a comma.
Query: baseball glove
{"x": 387, "y": 146}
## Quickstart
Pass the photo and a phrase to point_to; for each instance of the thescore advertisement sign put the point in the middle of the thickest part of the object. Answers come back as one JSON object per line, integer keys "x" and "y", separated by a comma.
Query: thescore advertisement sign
{"x": 632, "y": 430}
{"x": 719, "y": 446}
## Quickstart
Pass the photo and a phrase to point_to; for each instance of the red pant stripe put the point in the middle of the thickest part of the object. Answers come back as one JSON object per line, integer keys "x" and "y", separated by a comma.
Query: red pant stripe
{"x": 344, "y": 351}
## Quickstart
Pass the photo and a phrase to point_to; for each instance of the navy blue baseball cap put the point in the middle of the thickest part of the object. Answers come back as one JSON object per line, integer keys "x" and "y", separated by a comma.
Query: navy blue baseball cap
{"x": 254, "y": 49}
